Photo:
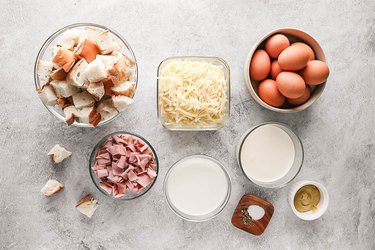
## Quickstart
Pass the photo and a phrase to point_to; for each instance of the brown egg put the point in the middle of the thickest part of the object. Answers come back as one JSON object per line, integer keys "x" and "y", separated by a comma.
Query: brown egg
{"x": 307, "y": 48}
{"x": 268, "y": 92}
{"x": 302, "y": 99}
{"x": 293, "y": 58}
{"x": 290, "y": 84}
{"x": 315, "y": 72}
{"x": 275, "y": 69}
{"x": 260, "y": 65}
{"x": 276, "y": 44}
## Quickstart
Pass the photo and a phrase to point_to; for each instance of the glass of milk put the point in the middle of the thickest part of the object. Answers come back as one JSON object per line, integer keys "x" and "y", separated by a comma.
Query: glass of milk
{"x": 270, "y": 155}
{"x": 197, "y": 188}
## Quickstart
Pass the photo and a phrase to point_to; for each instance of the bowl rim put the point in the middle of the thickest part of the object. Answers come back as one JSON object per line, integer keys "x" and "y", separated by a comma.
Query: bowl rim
{"x": 252, "y": 91}
{"x": 323, "y": 191}
{"x": 209, "y": 216}
{"x": 50, "y": 39}
{"x": 160, "y": 119}
{"x": 100, "y": 143}
{"x": 248, "y": 132}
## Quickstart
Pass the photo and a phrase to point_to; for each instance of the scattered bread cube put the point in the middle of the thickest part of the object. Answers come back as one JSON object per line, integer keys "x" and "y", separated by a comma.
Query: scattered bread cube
{"x": 96, "y": 71}
{"x": 126, "y": 88}
{"x": 63, "y": 88}
{"x": 107, "y": 43}
{"x": 44, "y": 70}
{"x": 47, "y": 95}
{"x": 121, "y": 102}
{"x": 76, "y": 76}
{"x": 83, "y": 99}
{"x": 89, "y": 115}
{"x": 88, "y": 50}
{"x": 58, "y": 154}
{"x": 87, "y": 205}
{"x": 71, "y": 114}
{"x": 96, "y": 89}
{"x": 106, "y": 109}
{"x": 52, "y": 187}
{"x": 64, "y": 58}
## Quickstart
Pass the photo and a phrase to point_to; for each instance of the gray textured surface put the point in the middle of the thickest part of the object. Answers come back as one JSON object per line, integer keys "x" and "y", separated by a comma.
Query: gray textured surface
{"x": 337, "y": 131}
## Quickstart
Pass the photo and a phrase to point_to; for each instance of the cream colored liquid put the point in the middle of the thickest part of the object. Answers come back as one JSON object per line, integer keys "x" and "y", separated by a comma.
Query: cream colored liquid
{"x": 267, "y": 154}
{"x": 197, "y": 186}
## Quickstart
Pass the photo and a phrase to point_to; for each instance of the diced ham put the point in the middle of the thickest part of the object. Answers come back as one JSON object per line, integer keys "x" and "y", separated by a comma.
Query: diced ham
{"x": 124, "y": 164}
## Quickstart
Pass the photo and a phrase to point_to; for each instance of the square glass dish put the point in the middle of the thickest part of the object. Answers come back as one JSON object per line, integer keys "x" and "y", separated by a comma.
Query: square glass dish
{"x": 193, "y": 93}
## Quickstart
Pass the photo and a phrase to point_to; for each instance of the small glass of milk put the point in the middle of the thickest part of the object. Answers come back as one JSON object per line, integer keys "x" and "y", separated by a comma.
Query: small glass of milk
{"x": 270, "y": 155}
{"x": 197, "y": 188}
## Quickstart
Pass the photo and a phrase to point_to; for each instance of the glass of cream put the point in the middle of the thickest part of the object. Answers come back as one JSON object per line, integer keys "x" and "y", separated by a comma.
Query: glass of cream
{"x": 270, "y": 155}
{"x": 197, "y": 188}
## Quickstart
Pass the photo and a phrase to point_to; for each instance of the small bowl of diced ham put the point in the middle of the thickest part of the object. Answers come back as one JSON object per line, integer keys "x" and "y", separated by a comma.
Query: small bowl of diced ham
{"x": 123, "y": 165}
{"x": 86, "y": 74}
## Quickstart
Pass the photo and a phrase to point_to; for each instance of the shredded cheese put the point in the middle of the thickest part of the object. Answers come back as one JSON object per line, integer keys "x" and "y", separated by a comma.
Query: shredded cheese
{"x": 192, "y": 93}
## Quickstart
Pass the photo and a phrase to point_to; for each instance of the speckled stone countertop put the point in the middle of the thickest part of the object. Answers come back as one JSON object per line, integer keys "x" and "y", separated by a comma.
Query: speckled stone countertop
{"x": 337, "y": 131}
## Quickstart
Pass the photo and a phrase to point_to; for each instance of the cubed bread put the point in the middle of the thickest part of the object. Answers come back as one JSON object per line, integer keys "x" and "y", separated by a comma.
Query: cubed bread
{"x": 107, "y": 43}
{"x": 44, "y": 70}
{"x": 88, "y": 50}
{"x": 121, "y": 102}
{"x": 58, "y": 74}
{"x": 83, "y": 99}
{"x": 106, "y": 109}
{"x": 64, "y": 89}
{"x": 64, "y": 58}
{"x": 71, "y": 114}
{"x": 96, "y": 71}
{"x": 76, "y": 76}
{"x": 87, "y": 205}
{"x": 69, "y": 39}
{"x": 58, "y": 154}
{"x": 96, "y": 89}
{"x": 126, "y": 88}
{"x": 47, "y": 95}
{"x": 89, "y": 115}
{"x": 51, "y": 187}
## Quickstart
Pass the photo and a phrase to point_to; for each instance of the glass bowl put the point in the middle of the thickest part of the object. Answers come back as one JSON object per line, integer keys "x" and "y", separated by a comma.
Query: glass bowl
{"x": 215, "y": 126}
{"x": 297, "y": 162}
{"x": 44, "y": 54}
{"x": 294, "y": 35}
{"x": 96, "y": 180}
{"x": 207, "y": 216}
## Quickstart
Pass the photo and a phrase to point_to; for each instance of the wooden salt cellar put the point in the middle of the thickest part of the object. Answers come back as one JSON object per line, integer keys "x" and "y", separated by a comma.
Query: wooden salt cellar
{"x": 242, "y": 220}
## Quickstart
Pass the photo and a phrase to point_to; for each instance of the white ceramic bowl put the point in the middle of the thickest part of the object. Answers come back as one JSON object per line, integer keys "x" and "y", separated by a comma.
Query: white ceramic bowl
{"x": 294, "y": 35}
{"x": 322, "y": 205}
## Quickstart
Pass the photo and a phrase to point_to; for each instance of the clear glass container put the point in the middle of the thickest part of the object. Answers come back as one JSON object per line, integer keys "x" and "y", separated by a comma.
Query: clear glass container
{"x": 178, "y": 127}
{"x": 96, "y": 180}
{"x": 297, "y": 163}
{"x": 198, "y": 218}
{"x": 44, "y": 54}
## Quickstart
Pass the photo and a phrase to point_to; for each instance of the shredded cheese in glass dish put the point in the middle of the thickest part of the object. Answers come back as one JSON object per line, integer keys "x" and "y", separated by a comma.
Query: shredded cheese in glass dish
{"x": 193, "y": 93}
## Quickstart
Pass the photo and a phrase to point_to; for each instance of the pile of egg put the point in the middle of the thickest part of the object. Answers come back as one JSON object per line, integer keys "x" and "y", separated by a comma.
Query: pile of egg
{"x": 289, "y": 76}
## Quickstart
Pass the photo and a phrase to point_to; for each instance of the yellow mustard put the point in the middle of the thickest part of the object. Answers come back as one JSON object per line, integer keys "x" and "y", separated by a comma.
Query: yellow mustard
{"x": 307, "y": 199}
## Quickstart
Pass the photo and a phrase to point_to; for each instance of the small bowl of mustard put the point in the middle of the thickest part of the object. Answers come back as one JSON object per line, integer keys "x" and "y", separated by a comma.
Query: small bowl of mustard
{"x": 308, "y": 199}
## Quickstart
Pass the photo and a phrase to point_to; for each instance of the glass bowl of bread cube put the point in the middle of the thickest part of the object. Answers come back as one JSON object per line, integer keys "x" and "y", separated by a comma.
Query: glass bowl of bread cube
{"x": 86, "y": 74}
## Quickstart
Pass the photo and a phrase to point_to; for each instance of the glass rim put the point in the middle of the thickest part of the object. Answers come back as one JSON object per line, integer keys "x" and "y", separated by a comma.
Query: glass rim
{"x": 50, "y": 39}
{"x": 248, "y": 132}
{"x": 199, "y": 218}
{"x": 93, "y": 155}
{"x": 190, "y": 128}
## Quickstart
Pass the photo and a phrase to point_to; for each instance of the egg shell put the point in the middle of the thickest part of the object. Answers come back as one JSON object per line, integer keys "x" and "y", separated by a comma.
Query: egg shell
{"x": 290, "y": 84}
{"x": 275, "y": 69}
{"x": 302, "y": 99}
{"x": 316, "y": 72}
{"x": 307, "y": 48}
{"x": 293, "y": 58}
{"x": 276, "y": 44}
{"x": 260, "y": 65}
{"x": 269, "y": 93}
